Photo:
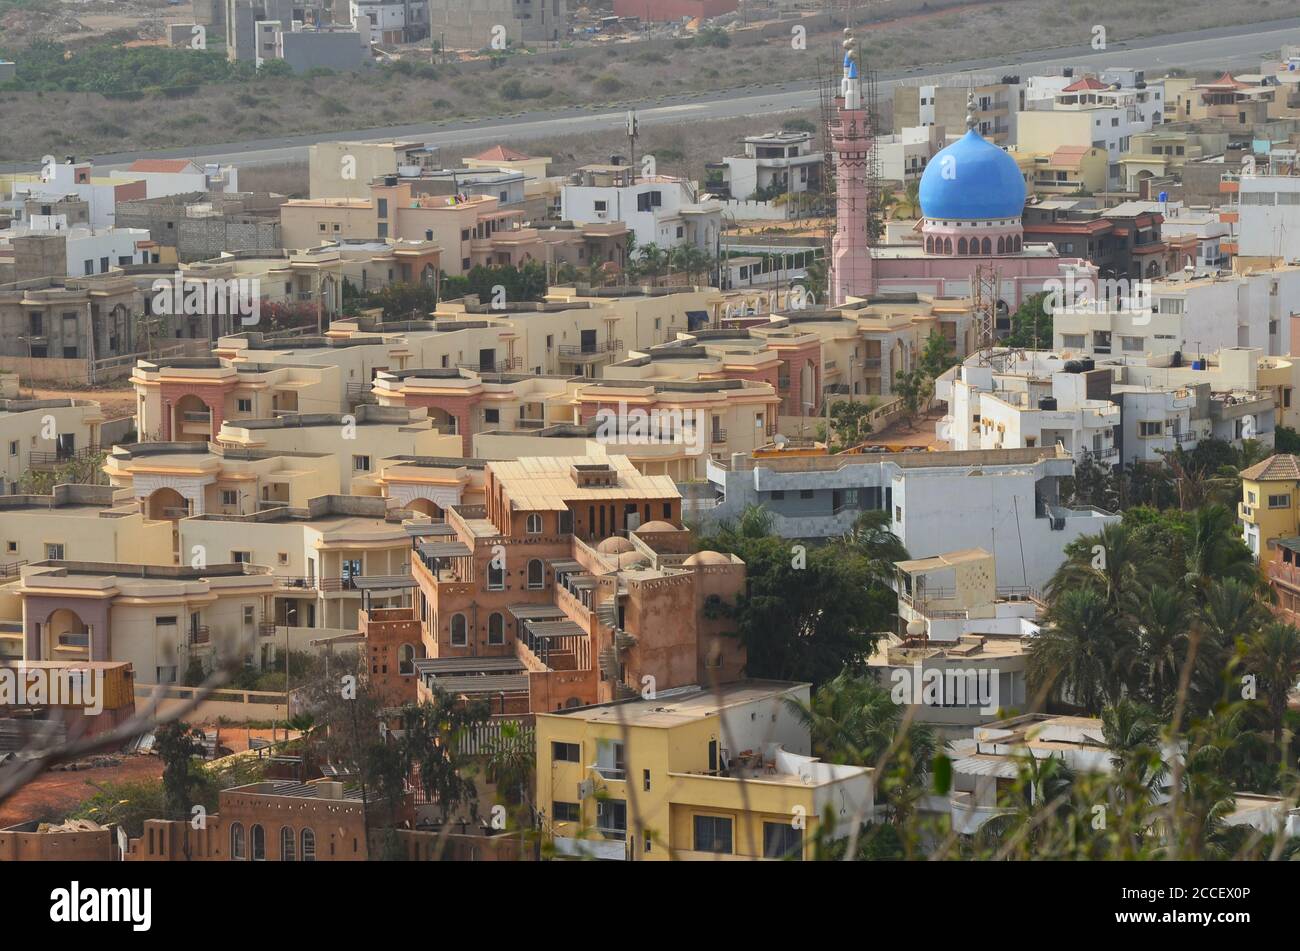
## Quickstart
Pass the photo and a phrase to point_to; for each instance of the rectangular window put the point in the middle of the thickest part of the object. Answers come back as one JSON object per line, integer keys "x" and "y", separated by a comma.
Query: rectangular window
{"x": 781, "y": 840}
{"x": 713, "y": 834}
{"x": 53, "y": 552}
{"x": 241, "y": 557}
{"x": 244, "y": 406}
{"x": 492, "y": 415}
{"x": 229, "y": 497}
{"x": 1279, "y": 501}
{"x": 567, "y": 811}
{"x": 565, "y": 752}
{"x": 1148, "y": 430}
{"x": 360, "y": 463}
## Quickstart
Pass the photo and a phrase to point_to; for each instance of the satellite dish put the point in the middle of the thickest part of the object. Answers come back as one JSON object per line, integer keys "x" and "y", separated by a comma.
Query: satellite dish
{"x": 915, "y": 627}
{"x": 779, "y": 440}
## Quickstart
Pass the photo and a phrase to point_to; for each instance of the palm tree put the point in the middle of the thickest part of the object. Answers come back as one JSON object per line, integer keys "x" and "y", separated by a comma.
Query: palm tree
{"x": 1132, "y": 735}
{"x": 1217, "y": 551}
{"x": 652, "y": 261}
{"x": 1273, "y": 654}
{"x": 1113, "y": 563}
{"x": 1229, "y": 613}
{"x": 510, "y": 763}
{"x": 911, "y": 200}
{"x": 1075, "y": 657}
{"x": 1162, "y": 624}
{"x": 853, "y": 720}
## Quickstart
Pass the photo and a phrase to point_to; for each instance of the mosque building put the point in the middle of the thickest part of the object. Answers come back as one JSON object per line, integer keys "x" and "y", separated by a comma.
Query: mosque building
{"x": 972, "y": 197}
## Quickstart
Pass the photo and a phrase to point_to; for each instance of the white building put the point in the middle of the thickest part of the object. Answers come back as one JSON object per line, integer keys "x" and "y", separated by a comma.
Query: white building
{"x": 88, "y": 250}
{"x": 659, "y": 209}
{"x": 1268, "y": 222}
{"x": 904, "y": 156}
{"x": 774, "y": 163}
{"x": 1009, "y": 502}
{"x": 1035, "y": 400}
{"x": 1187, "y": 314}
{"x": 392, "y": 21}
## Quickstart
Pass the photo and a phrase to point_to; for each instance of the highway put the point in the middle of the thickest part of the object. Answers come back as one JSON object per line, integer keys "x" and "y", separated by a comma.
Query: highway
{"x": 1239, "y": 47}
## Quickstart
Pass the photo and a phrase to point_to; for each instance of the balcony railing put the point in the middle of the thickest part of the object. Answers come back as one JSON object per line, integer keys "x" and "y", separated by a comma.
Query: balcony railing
{"x": 199, "y": 634}
{"x": 718, "y": 436}
{"x": 501, "y": 366}
{"x": 592, "y": 352}
{"x": 46, "y": 460}
{"x": 13, "y": 569}
{"x": 196, "y": 416}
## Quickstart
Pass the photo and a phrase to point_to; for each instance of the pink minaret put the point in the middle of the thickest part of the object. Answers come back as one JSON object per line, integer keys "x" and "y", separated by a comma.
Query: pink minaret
{"x": 851, "y": 139}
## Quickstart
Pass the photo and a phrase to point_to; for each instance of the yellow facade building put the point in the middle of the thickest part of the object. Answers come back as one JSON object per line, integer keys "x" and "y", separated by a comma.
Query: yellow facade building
{"x": 1268, "y": 508}
{"x": 714, "y": 773}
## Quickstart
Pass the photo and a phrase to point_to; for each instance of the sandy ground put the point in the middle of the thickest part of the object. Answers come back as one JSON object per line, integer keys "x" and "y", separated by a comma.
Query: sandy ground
{"x": 53, "y": 794}
{"x": 115, "y": 402}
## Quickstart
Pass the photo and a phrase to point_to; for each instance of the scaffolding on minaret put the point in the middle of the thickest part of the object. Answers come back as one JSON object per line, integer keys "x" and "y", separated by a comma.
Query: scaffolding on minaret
{"x": 985, "y": 286}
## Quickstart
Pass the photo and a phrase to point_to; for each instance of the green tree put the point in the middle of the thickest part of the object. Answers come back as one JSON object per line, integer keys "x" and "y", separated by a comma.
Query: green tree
{"x": 1273, "y": 655}
{"x": 1031, "y": 324}
{"x": 177, "y": 745}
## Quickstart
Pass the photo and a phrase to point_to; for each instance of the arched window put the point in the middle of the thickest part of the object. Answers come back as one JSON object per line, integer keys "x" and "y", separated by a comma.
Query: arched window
{"x": 459, "y": 631}
{"x": 406, "y": 660}
{"x": 533, "y": 525}
{"x": 257, "y": 843}
{"x": 536, "y": 574}
{"x": 947, "y": 245}
{"x": 496, "y": 629}
{"x": 1017, "y": 241}
{"x": 496, "y": 576}
{"x": 308, "y": 845}
{"x": 986, "y": 246}
{"x": 286, "y": 844}
{"x": 961, "y": 245}
{"x": 929, "y": 245}
{"x": 1002, "y": 245}
{"x": 237, "y": 852}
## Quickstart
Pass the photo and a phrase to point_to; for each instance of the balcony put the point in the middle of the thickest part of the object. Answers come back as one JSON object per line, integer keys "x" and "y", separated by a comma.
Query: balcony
{"x": 718, "y": 436}
{"x": 590, "y": 354}
{"x": 1097, "y": 455}
{"x": 615, "y": 772}
{"x": 51, "y": 460}
{"x": 13, "y": 569}
{"x": 501, "y": 366}
{"x": 199, "y": 635}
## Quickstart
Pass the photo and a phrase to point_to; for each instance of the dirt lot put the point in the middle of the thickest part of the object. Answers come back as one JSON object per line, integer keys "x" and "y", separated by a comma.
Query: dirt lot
{"x": 51, "y": 795}
{"x": 54, "y": 793}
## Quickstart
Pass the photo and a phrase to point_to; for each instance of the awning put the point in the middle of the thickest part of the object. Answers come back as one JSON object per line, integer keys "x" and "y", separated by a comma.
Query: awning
{"x": 443, "y": 550}
{"x": 426, "y": 529}
{"x": 563, "y": 628}
{"x": 452, "y": 667}
{"x": 382, "y": 582}
{"x": 536, "y": 612}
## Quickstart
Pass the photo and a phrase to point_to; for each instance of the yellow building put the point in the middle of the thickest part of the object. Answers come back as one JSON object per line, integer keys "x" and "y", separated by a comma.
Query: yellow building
{"x": 692, "y": 774}
{"x": 1268, "y": 508}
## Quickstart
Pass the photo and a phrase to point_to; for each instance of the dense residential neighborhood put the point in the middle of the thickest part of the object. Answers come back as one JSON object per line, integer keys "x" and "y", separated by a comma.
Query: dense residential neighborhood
{"x": 911, "y": 472}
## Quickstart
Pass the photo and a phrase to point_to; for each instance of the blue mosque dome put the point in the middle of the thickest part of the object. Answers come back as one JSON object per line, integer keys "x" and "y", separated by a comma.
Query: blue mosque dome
{"x": 972, "y": 179}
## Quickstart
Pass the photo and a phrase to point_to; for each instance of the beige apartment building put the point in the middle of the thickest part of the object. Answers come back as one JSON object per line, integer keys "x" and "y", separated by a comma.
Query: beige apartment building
{"x": 471, "y": 231}
{"x": 346, "y": 169}
{"x": 327, "y": 558}
{"x": 186, "y": 400}
{"x": 171, "y": 481}
{"x": 37, "y": 435}
{"x": 354, "y": 440}
{"x": 157, "y": 618}
{"x": 79, "y": 523}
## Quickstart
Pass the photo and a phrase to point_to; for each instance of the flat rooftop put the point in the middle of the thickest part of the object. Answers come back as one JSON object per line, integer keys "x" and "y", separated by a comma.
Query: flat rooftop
{"x": 673, "y": 708}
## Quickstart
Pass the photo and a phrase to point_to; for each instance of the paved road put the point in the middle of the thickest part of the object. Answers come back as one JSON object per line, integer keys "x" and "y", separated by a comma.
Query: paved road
{"x": 1236, "y": 47}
